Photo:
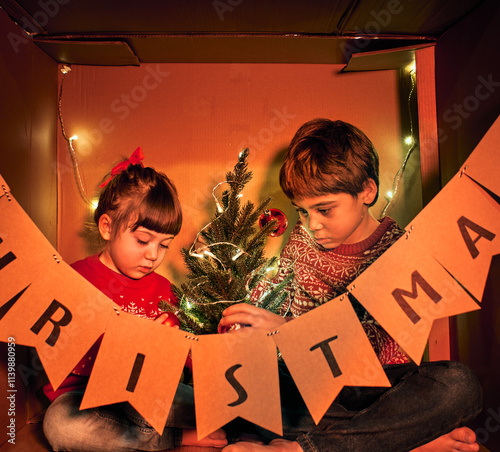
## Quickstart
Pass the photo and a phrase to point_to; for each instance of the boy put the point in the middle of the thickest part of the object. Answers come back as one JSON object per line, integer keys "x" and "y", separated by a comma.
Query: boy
{"x": 331, "y": 175}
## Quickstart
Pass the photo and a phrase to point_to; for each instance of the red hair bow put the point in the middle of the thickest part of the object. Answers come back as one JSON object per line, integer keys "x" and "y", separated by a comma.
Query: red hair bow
{"x": 134, "y": 159}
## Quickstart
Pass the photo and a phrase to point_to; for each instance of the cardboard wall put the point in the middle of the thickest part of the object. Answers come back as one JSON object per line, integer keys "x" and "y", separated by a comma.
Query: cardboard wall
{"x": 192, "y": 120}
{"x": 28, "y": 117}
{"x": 468, "y": 102}
{"x": 28, "y": 98}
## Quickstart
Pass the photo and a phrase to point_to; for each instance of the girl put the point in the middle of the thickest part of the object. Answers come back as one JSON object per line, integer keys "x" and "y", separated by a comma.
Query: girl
{"x": 138, "y": 215}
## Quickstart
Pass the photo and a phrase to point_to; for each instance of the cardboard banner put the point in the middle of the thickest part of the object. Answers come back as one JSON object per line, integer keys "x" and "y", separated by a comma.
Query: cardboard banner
{"x": 430, "y": 273}
{"x": 139, "y": 361}
{"x": 325, "y": 350}
{"x": 44, "y": 303}
{"x": 236, "y": 375}
{"x": 460, "y": 227}
{"x": 483, "y": 164}
{"x": 406, "y": 301}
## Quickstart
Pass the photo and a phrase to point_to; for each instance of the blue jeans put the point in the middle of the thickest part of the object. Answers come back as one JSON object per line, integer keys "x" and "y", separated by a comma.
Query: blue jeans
{"x": 114, "y": 428}
{"x": 424, "y": 402}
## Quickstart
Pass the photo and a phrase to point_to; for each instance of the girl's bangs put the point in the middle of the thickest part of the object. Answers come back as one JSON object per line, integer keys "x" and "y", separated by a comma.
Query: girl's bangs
{"x": 163, "y": 216}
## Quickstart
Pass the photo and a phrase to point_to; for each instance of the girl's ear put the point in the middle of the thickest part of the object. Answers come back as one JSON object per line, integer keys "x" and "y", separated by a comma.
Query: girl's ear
{"x": 104, "y": 226}
{"x": 369, "y": 192}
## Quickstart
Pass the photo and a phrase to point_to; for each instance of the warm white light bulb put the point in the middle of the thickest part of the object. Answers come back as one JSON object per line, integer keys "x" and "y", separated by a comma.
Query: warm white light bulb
{"x": 238, "y": 254}
{"x": 409, "y": 140}
{"x": 73, "y": 138}
{"x": 389, "y": 194}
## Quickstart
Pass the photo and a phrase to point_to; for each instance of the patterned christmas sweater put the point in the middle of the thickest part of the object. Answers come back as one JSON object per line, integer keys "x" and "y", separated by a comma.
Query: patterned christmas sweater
{"x": 135, "y": 296}
{"x": 321, "y": 275}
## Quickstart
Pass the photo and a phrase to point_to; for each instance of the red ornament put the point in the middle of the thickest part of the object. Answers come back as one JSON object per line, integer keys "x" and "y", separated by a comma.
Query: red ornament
{"x": 281, "y": 222}
{"x": 170, "y": 319}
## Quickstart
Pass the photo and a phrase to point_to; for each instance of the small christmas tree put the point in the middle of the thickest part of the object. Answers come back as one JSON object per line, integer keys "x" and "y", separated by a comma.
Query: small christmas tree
{"x": 226, "y": 261}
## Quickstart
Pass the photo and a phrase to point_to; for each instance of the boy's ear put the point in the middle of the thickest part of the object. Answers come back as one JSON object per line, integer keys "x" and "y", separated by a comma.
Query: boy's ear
{"x": 104, "y": 226}
{"x": 370, "y": 192}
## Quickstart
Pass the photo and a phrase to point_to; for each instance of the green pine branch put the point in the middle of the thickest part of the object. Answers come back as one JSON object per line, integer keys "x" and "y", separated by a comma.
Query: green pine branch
{"x": 230, "y": 261}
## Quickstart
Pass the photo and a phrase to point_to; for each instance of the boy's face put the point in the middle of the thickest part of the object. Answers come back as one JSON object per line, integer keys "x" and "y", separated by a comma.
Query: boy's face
{"x": 136, "y": 253}
{"x": 336, "y": 219}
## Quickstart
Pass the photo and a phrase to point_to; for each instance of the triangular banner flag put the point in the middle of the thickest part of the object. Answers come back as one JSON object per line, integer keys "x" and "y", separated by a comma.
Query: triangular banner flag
{"x": 139, "y": 361}
{"x": 236, "y": 375}
{"x": 61, "y": 317}
{"x": 484, "y": 162}
{"x": 325, "y": 350}
{"x": 44, "y": 303}
{"x": 25, "y": 254}
{"x": 460, "y": 227}
{"x": 407, "y": 301}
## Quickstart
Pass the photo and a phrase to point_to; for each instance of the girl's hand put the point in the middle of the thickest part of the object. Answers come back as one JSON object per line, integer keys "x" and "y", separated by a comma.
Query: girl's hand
{"x": 166, "y": 319}
{"x": 251, "y": 316}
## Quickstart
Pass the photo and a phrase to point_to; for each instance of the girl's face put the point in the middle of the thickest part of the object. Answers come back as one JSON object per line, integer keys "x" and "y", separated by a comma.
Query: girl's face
{"x": 337, "y": 218}
{"x": 135, "y": 253}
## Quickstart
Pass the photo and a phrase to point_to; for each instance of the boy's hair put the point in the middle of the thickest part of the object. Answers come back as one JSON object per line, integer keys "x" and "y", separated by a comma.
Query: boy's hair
{"x": 145, "y": 197}
{"x": 327, "y": 157}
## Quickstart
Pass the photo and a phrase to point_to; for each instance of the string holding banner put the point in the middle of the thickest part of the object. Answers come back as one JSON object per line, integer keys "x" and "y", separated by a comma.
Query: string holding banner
{"x": 4, "y": 188}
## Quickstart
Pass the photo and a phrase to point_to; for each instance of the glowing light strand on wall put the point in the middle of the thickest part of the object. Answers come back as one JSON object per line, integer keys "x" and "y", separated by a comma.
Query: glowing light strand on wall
{"x": 204, "y": 250}
{"x": 64, "y": 70}
{"x": 410, "y": 141}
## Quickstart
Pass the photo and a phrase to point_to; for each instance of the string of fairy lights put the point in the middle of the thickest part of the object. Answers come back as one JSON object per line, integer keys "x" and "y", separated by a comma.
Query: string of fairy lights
{"x": 65, "y": 70}
{"x": 201, "y": 250}
{"x": 204, "y": 250}
{"x": 409, "y": 141}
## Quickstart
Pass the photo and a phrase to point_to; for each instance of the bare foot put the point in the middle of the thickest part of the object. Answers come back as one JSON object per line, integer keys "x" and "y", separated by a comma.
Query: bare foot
{"x": 276, "y": 445}
{"x": 215, "y": 439}
{"x": 461, "y": 439}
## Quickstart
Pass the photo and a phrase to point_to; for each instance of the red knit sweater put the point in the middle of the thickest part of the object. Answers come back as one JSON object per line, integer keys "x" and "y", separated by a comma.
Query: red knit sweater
{"x": 321, "y": 275}
{"x": 135, "y": 296}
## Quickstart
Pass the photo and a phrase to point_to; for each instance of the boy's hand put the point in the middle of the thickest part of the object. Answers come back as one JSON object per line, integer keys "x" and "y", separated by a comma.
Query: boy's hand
{"x": 251, "y": 316}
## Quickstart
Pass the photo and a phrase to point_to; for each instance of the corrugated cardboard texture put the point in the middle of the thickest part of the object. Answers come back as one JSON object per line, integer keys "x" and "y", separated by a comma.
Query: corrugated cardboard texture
{"x": 192, "y": 120}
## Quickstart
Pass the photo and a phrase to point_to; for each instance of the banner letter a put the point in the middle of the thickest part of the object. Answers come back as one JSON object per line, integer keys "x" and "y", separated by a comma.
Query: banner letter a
{"x": 464, "y": 224}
